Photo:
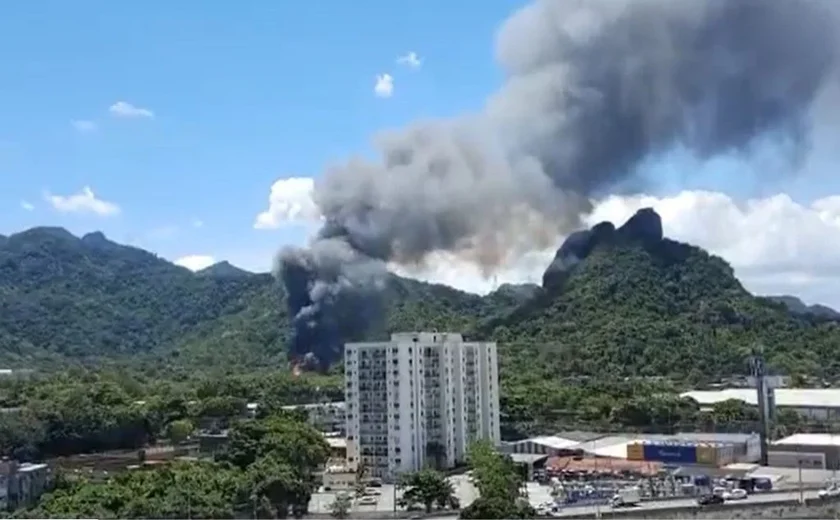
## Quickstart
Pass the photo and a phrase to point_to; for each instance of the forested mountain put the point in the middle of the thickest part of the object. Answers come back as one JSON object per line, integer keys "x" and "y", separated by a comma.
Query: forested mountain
{"x": 87, "y": 299}
{"x": 636, "y": 304}
{"x": 662, "y": 309}
{"x": 797, "y": 306}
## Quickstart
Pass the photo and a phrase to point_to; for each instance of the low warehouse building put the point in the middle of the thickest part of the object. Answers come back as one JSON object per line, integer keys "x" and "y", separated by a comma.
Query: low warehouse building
{"x": 810, "y": 450}
{"x": 821, "y": 404}
{"x": 545, "y": 445}
{"x": 714, "y": 449}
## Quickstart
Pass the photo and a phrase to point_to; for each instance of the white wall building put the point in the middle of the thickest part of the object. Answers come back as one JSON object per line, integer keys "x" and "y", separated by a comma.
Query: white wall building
{"x": 822, "y": 404}
{"x": 419, "y": 400}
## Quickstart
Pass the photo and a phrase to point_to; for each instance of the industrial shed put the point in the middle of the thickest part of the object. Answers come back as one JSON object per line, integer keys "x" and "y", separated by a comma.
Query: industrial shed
{"x": 545, "y": 445}
{"x": 811, "y": 450}
{"x": 822, "y": 404}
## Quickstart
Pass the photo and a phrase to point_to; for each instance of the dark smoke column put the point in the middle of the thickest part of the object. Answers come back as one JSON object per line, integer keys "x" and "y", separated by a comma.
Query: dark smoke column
{"x": 593, "y": 89}
{"x": 333, "y": 294}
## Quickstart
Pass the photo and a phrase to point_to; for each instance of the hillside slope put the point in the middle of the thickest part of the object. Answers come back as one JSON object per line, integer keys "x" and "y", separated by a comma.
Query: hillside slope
{"x": 616, "y": 302}
{"x": 651, "y": 308}
{"x": 797, "y": 306}
{"x": 88, "y": 299}
{"x": 63, "y": 296}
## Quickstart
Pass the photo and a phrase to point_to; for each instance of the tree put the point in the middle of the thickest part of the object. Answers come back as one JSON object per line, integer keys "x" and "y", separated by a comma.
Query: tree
{"x": 340, "y": 507}
{"x": 498, "y": 484}
{"x": 287, "y": 489}
{"x": 282, "y": 436}
{"x": 179, "y": 431}
{"x": 428, "y": 488}
{"x": 180, "y": 490}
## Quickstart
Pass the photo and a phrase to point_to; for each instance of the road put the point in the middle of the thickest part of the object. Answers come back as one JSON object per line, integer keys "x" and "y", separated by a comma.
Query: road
{"x": 385, "y": 503}
{"x": 768, "y": 498}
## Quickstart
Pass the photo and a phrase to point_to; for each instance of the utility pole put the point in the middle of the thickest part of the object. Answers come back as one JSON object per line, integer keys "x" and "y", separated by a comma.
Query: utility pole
{"x": 758, "y": 372}
{"x": 598, "y": 480}
{"x": 801, "y": 489}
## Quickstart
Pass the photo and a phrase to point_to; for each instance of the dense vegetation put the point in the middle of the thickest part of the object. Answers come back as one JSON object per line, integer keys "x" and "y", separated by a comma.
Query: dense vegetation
{"x": 628, "y": 309}
{"x": 624, "y": 311}
{"x": 65, "y": 299}
{"x": 666, "y": 315}
{"x": 81, "y": 411}
{"x": 268, "y": 470}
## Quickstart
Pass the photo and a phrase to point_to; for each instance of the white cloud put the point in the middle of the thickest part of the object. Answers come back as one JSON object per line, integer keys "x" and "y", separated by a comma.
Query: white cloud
{"x": 410, "y": 60}
{"x": 384, "y": 87}
{"x": 83, "y": 202}
{"x": 84, "y": 126}
{"x": 127, "y": 110}
{"x": 290, "y": 202}
{"x": 27, "y": 206}
{"x": 195, "y": 262}
{"x": 775, "y": 244}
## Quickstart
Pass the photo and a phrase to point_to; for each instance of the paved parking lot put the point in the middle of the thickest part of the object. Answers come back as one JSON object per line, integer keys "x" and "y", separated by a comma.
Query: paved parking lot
{"x": 320, "y": 503}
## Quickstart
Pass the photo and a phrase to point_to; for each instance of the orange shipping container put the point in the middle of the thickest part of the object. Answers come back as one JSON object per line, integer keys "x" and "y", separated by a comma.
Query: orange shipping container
{"x": 635, "y": 451}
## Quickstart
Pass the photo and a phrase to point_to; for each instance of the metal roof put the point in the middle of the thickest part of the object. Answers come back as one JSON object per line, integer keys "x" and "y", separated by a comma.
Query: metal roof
{"x": 791, "y": 397}
{"x": 705, "y": 437}
{"x": 581, "y": 436}
{"x": 553, "y": 441}
{"x": 809, "y": 439}
{"x": 526, "y": 458}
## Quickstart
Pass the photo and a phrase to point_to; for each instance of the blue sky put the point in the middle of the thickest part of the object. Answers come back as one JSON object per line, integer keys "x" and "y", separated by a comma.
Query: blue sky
{"x": 220, "y": 99}
{"x": 241, "y": 92}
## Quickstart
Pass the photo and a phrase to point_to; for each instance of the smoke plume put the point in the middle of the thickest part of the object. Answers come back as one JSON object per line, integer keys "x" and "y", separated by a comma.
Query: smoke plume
{"x": 592, "y": 88}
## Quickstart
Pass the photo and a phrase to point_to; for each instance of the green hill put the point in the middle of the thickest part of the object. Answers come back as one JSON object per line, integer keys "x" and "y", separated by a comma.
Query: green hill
{"x": 89, "y": 299}
{"x": 659, "y": 310}
{"x": 631, "y": 303}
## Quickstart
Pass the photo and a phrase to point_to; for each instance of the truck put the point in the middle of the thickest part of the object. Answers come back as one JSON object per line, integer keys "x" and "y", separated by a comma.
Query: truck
{"x": 626, "y": 497}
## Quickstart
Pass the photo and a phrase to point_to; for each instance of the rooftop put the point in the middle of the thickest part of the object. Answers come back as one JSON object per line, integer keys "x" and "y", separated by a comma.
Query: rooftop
{"x": 581, "y": 436}
{"x": 613, "y": 446}
{"x": 26, "y": 467}
{"x": 337, "y": 443}
{"x": 339, "y": 468}
{"x": 792, "y": 397}
{"x": 809, "y": 439}
{"x": 553, "y": 441}
{"x": 315, "y": 406}
{"x": 526, "y": 458}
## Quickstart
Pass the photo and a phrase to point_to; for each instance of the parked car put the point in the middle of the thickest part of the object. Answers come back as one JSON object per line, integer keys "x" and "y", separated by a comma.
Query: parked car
{"x": 367, "y": 501}
{"x": 831, "y": 491}
{"x": 735, "y": 494}
{"x": 709, "y": 500}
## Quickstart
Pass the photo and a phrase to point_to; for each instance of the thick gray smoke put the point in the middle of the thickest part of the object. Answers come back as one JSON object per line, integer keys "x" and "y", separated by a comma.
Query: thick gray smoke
{"x": 593, "y": 88}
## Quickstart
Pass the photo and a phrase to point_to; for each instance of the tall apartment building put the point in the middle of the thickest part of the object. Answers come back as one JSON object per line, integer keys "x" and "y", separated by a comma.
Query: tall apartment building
{"x": 419, "y": 401}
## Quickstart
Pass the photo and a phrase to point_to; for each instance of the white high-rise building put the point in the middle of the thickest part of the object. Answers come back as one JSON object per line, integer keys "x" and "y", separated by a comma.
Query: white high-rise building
{"x": 418, "y": 401}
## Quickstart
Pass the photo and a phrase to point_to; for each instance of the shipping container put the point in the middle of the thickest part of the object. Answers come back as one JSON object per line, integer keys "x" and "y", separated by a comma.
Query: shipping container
{"x": 671, "y": 452}
{"x": 707, "y": 454}
{"x": 635, "y": 451}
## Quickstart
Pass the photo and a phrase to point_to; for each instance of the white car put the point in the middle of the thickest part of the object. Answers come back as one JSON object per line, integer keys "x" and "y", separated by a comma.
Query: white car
{"x": 367, "y": 501}
{"x": 829, "y": 492}
{"x": 735, "y": 494}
